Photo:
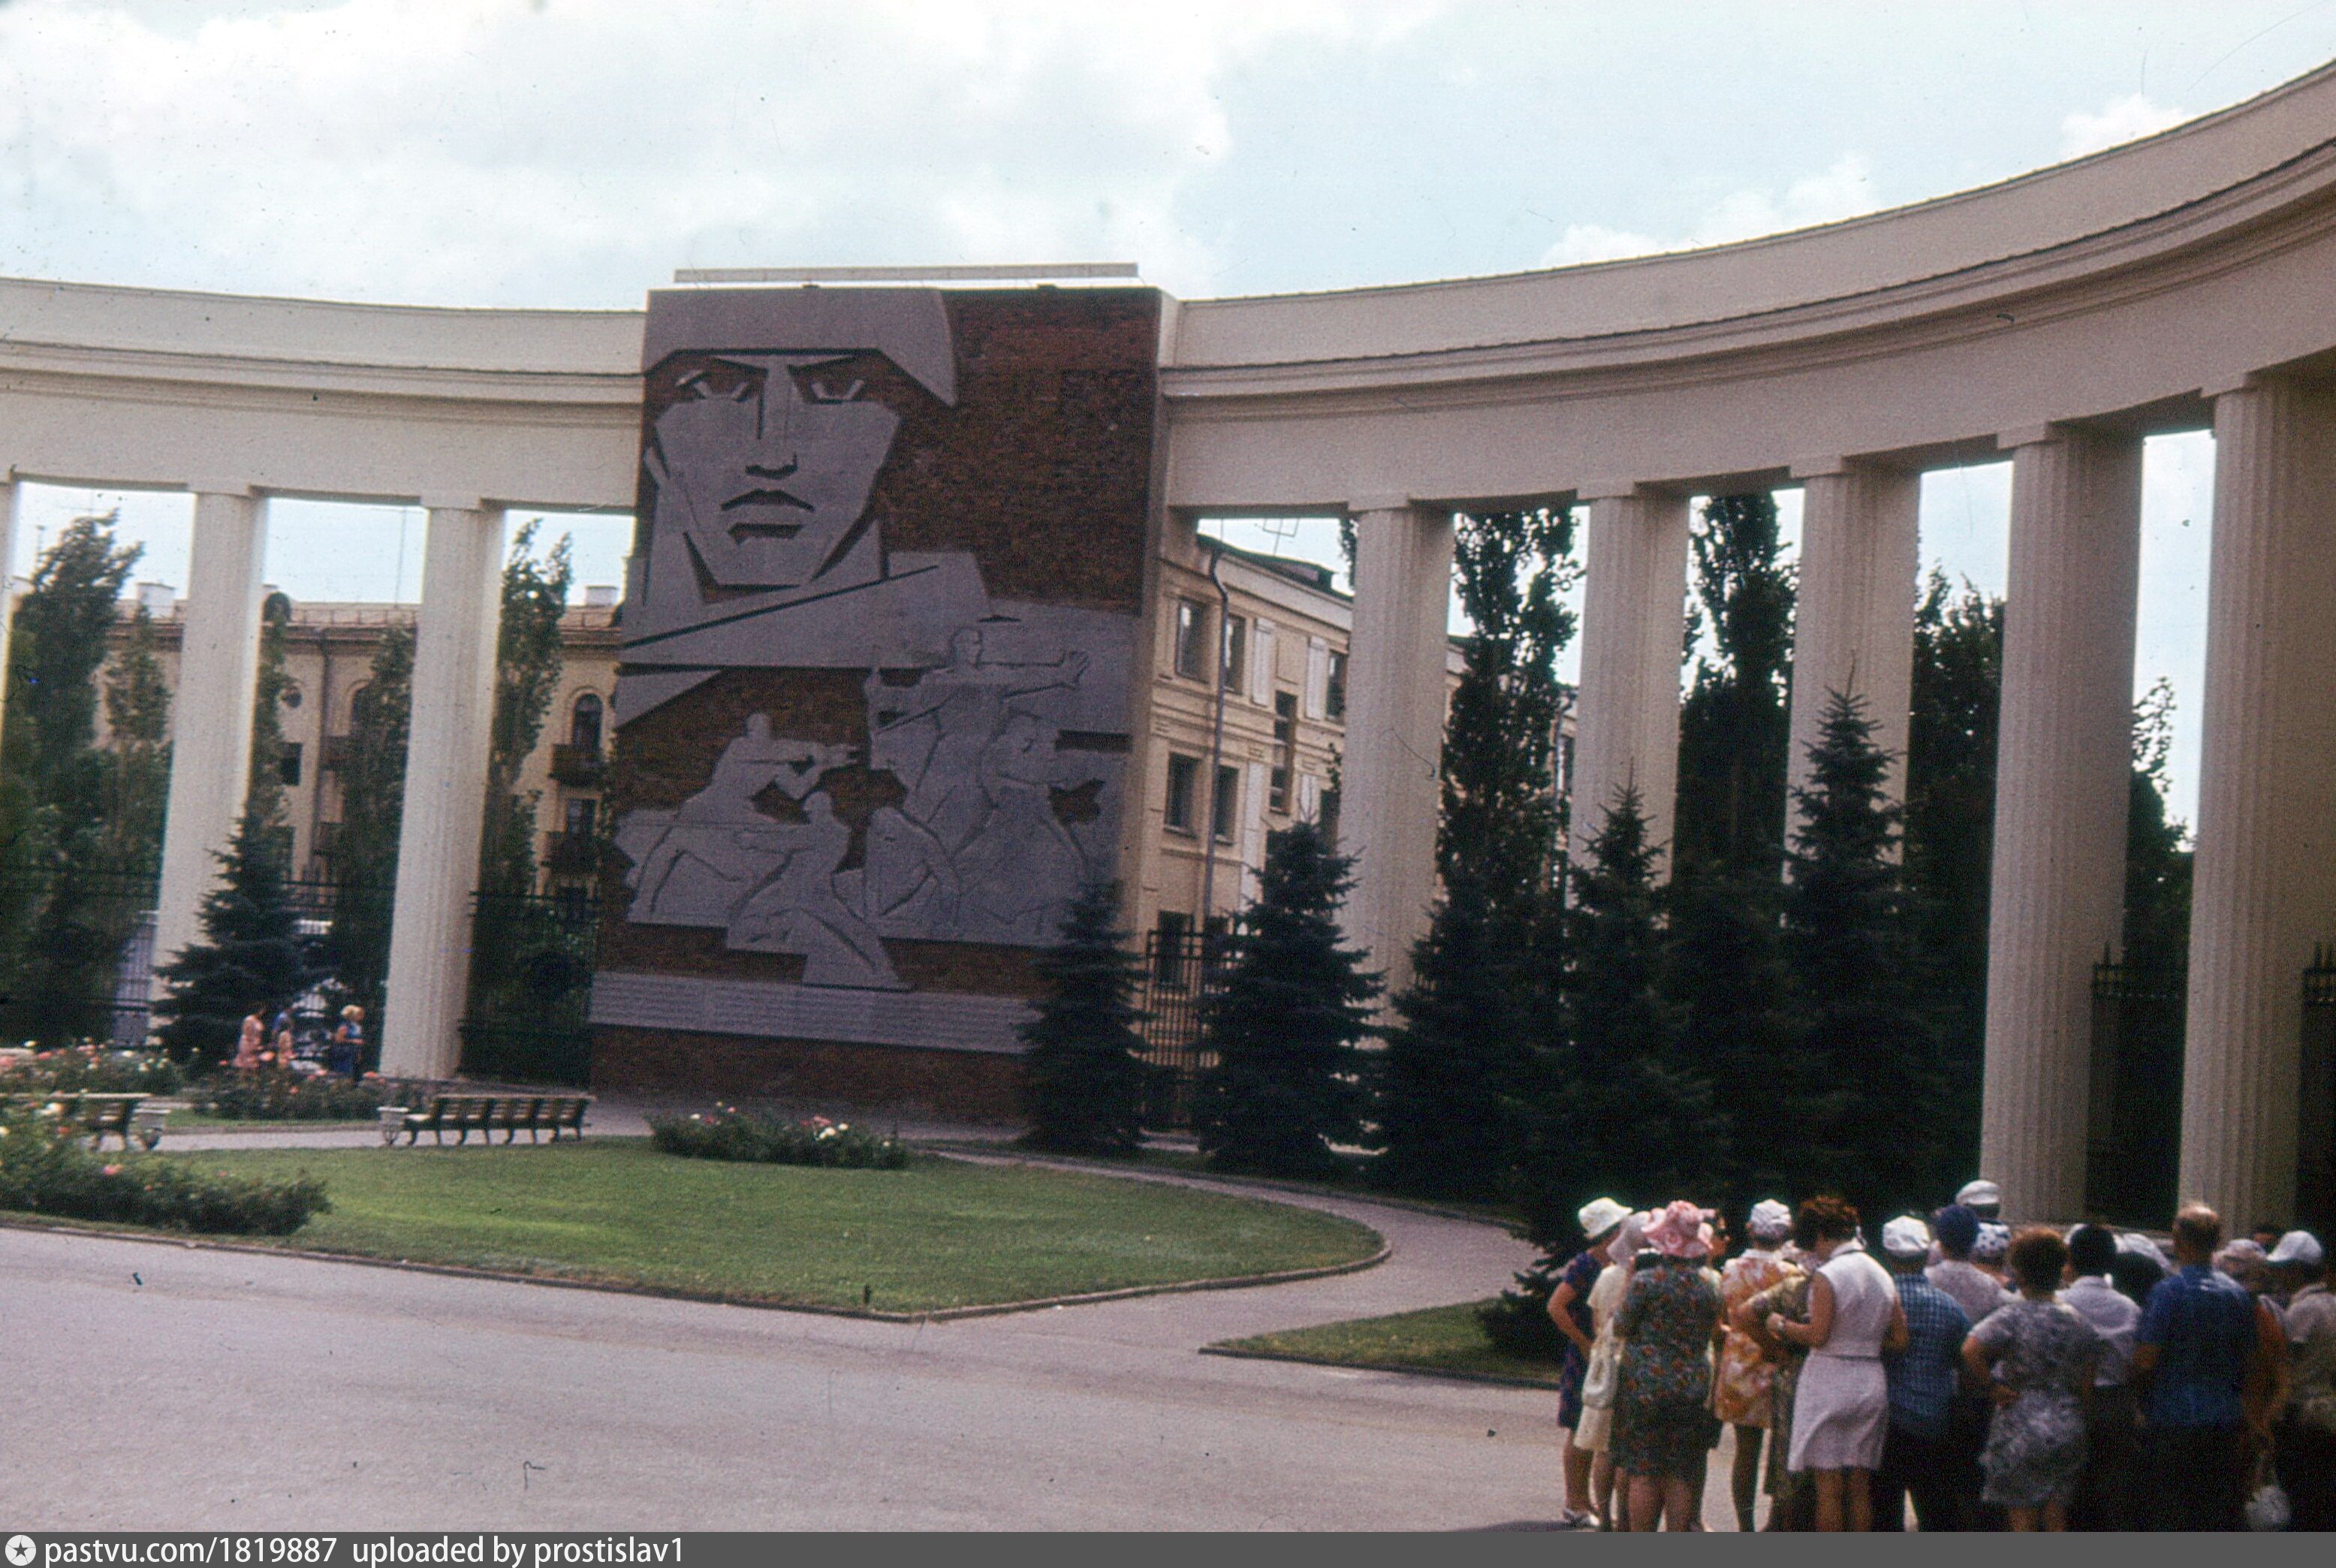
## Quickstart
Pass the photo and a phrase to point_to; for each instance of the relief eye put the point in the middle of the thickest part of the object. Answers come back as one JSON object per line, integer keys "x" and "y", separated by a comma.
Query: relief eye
{"x": 822, "y": 393}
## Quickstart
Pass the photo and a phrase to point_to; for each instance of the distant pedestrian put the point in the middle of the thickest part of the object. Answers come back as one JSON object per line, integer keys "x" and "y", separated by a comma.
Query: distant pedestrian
{"x": 2307, "y": 1433}
{"x": 2038, "y": 1355}
{"x": 250, "y": 1041}
{"x": 1741, "y": 1398}
{"x": 2203, "y": 1364}
{"x": 2108, "y": 1497}
{"x": 1569, "y": 1309}
{"x": 1983, "y": 1198}
{"x": 1916, "y": 1460}
{"x": 1841, "y": 1409}
{"x": 346, "y": 1056}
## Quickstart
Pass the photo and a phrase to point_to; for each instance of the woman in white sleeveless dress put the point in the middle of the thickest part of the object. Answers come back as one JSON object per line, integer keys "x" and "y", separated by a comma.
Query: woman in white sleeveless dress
{"x": 1842, "y": 1408}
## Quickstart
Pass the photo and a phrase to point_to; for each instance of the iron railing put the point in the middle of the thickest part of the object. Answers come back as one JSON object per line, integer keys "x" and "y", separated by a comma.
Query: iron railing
{"x": 2134, "y": 1125}
{"x": 528, "y": 1018}
{"x": 1181, "y": 973}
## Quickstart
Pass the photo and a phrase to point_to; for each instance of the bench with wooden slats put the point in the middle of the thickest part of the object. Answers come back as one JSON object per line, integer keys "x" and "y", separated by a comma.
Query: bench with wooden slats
{"x": 486, "y": 1115}
{"x": 101, "y": 1115}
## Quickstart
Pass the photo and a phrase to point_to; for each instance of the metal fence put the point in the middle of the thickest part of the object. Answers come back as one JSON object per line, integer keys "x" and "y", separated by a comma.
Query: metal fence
{"x": 2134, "y": 1122}
{"x": 1181, "y": 973}
{"x": 529, "y": 1015}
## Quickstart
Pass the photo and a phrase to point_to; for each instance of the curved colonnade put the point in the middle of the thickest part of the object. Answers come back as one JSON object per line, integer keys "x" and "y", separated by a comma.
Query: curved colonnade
{"x": 2184, "y": 282}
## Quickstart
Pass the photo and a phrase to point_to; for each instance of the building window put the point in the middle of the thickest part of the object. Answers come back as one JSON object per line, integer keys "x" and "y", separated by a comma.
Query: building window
{"x": 1169, "y": 941}
{"x": 1225, "y": 806}
{"x": 1330, "y": 818}
{"x": 584, "y": 724}
{"x": 287, "y": 763}
{"x": 1232, "y": 665}
{"x": 1184, "y": 784}
{"x": 581, "y": 815}
{"x": 1192, "y": 622}
{"x": 1277, "y": 796}
{"x": 1334, "y": 696}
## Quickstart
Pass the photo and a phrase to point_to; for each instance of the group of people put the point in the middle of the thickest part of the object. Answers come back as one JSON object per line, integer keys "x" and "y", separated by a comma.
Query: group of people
{"x": 1991, "y": 1377}
{"x": 262, "y": 1045}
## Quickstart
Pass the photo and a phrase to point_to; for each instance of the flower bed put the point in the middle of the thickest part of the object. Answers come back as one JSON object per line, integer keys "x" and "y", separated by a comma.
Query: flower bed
{"x": 726, "y": 1133}
{"x": 274, "y": 1094}
{"x": 88, "y": 1068}
{"x": 46, "y": 1169}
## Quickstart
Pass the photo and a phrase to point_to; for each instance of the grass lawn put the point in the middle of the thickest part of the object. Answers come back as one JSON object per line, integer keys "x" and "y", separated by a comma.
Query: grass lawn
{"x": 1438, "y": 1340}
{"x": 941, "y": 1234}
{"x": 187, "y": 1120}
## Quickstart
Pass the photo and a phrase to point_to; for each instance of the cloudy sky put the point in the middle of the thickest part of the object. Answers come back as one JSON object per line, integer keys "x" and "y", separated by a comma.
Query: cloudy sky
{"x": 576, "y": 151}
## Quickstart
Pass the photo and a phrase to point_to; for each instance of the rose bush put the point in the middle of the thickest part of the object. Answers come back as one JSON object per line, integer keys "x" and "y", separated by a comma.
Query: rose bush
{"x": 726, "y": 1133}
{"x": 46, "y": 1169}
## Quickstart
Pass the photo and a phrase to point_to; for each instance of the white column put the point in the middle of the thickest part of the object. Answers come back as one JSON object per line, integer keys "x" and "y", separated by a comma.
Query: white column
{"x": 2063, "y": 768}
{"x": 2265, "y": 888}
{"x": 1633, "y": 623}
{"x": 1853, "y": 625}
{"x": 1389, "y": 765}
{"x": 445, "y": 789}
{"x": 210, "y": 716}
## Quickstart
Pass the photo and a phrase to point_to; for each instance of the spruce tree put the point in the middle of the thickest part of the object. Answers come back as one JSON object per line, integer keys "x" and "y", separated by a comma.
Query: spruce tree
{"x": 263, "y": 800}
{"x": 1620, "y": 1108}
{"x": 1457, "y": 1066}
{"x": 1866, "y": 1095}
{"x": 250, "y": 958}
{"x": 1084, "y": 1074}
{"x": 1285, "y": 1024}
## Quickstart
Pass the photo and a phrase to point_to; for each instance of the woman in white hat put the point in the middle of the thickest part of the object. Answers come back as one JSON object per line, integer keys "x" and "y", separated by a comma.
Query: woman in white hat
{"x": 1569, "y": 1309}
{"x": 1598, "y": 1381}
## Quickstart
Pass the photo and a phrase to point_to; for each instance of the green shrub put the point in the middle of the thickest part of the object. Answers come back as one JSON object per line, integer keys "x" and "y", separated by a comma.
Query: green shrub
{"x": 726, "y": 1133}
{"x": 91, "y": 1068}
{"x": 275, "y": 1095}
{"x": 46, "y": 1169}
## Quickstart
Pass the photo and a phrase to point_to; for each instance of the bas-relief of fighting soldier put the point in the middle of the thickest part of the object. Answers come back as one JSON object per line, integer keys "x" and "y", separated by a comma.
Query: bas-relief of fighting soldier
{"x": 762, "y": 482}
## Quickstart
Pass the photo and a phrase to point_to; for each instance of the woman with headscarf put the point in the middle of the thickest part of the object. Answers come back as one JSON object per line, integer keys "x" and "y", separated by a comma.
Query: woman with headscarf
{"x": 1569, "y": 1309}
{"x": 1663, "y": 1423}
{"x": 1842, "y": 1409}
{"x": 1597, "y": 1382}
{"x": 1746, "y": 1378}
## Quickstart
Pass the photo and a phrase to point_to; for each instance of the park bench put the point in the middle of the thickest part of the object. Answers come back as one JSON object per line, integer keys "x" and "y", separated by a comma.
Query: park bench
{"x": 122, "y": 1116}
{"x": 462, "y": 1115}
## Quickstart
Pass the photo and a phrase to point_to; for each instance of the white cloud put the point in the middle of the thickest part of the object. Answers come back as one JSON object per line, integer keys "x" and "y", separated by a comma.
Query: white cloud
{"x": 573, "y": 151}
{"x": 2128, "y": 119}
{"x": 1846, "y": 189}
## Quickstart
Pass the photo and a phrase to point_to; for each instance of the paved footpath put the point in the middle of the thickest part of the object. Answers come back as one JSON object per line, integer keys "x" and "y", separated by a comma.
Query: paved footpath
{"x": 168, "y": 1386}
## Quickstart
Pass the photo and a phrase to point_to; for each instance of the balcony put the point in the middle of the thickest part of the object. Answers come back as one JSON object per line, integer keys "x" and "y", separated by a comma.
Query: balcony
{"x": 578, "y": 766}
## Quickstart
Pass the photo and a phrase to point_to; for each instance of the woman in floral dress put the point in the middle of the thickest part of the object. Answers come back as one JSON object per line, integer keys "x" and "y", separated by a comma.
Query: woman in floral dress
{"x": 1740, "y": 1397}
{"x": 2036, "y": 1355}
{"x": 1663, "y": 1425}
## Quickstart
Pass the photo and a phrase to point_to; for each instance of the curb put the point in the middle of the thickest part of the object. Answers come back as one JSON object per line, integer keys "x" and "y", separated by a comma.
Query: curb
{"x": 710, "y": 1298}
{"x": 1008, "y": 1155}
{"x": 1450, "y": 1374}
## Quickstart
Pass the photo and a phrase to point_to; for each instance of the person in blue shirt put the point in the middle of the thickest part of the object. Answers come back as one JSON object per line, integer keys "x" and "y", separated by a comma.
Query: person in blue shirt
{"x": 2206, "y": 1361}
{"x": 1917, "y": 1456}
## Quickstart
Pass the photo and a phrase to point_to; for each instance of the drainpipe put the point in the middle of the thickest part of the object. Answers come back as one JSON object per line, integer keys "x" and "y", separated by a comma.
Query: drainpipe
{"x": 1216, "y": 755}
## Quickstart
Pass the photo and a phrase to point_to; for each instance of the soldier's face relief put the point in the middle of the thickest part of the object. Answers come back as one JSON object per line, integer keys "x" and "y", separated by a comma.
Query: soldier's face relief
{"x": 767, "y": 482}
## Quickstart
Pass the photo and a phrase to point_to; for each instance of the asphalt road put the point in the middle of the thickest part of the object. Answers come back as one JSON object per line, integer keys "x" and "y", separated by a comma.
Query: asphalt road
{"x": 158, "y": 1385}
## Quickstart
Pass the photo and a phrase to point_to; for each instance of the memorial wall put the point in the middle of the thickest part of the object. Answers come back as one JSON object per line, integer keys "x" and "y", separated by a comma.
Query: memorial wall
{"x": 873, "y": 699}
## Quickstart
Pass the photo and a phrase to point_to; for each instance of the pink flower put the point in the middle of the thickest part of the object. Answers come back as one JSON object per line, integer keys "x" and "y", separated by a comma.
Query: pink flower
{"x": 114, "y": 1170}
